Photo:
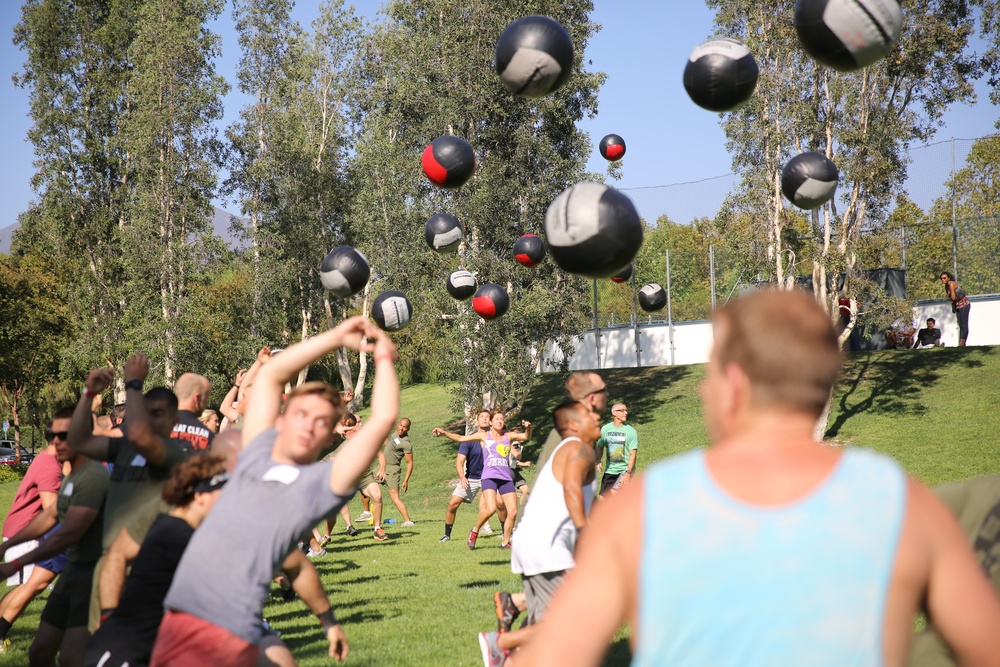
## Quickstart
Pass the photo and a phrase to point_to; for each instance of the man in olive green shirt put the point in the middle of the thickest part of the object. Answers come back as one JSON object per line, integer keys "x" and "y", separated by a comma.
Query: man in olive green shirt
{"x": 398, "y": 447}
{"x": 79, "y": 509}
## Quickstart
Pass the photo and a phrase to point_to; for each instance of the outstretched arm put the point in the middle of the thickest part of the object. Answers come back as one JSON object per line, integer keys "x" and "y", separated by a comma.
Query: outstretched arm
{"x": 78, "y": 519}
{"x": 358, "y": 452}
{"x": 521, "y": 437}
{"x": 478, "y": 436}
{"x": 265, "y": 399}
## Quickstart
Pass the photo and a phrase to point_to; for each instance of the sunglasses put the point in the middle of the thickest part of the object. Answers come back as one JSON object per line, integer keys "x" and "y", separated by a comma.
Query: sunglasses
{"x": 52, "y": 435}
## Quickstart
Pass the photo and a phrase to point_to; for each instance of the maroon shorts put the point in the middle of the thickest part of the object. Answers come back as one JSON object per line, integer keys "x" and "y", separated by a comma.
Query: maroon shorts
{"x": 188, "y": 641}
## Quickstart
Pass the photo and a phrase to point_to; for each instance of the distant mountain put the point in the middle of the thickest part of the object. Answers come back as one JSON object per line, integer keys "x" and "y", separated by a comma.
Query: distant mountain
{"x": 220, "y": 227}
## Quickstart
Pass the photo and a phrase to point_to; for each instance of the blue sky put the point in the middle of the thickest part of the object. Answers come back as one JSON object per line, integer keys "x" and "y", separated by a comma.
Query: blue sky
{"x": 642, "y": 48}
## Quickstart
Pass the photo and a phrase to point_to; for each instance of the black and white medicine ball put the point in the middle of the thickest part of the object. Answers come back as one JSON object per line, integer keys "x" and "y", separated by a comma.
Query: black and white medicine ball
{"x": 848, "y": 34}
{"x": 443, "y": 232}
{"x": 391, "y": 310}
{"x": 624, "y": 274}
{"x": 490, "y": 301}
{"x": 592, "y": 230}
{"x": 612, "y": 147}
{"x": 449, "y": 161}
{"x": 461, "y": 285}
{"x": 720, "y": 75}
{"x": 809, "y": 180}
{"x": 529, "y": 250}
{"x": 344, "y": 271}
{"x": 652, "y": 297}
{"x": 534, "y": 56}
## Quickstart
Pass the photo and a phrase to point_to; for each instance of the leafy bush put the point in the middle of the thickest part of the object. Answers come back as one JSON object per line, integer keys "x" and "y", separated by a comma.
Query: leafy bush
{"x": 12, "y": 473}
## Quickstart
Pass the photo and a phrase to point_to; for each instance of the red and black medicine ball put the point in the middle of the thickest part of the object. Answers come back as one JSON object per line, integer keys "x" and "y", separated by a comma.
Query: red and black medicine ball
{"x": 449, "y": 161}
{"x": 623, "y": 275}
{"x": 490, "y": 301}
{"x": 612, "y": 148}
{"x": 529, "y": 250}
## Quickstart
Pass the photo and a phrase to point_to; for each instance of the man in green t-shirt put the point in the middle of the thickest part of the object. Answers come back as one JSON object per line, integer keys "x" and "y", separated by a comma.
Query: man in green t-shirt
{"x": 398, "y": 447}
{"x": 621, "y": 442}
{"x": 79, "y": 509}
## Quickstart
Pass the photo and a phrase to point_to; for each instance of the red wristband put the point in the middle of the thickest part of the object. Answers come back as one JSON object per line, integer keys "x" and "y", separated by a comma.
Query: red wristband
{"x": 87, "y": 393}
{"x": 385, "y": 356}
{"x": 16, "y": 563}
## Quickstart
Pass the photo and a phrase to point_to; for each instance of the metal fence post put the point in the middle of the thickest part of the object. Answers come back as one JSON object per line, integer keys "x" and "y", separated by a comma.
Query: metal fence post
{"x": 635, "y": 322}
{"x": 597, "y": 329}
{"x": 711, "y": 272}
{"x": 670, "y": 311}
{"x": 954, "y": 226}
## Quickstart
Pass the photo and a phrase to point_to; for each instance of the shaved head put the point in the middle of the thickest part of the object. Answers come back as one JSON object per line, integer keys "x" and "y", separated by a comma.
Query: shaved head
{"x": 228, "y": 445}
{"x": 581, "y": 383}
{"x": 188, "y": 387}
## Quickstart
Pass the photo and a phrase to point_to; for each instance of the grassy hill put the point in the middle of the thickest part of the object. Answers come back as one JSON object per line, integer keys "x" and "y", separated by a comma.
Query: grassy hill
{"x": 414, "y": 601}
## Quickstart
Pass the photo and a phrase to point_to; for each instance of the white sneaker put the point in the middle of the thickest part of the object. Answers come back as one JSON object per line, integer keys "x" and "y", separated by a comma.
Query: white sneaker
{"x": 486, "y": 529}
{"x": 364, "y": 516}
{"x": 407, "y": 523}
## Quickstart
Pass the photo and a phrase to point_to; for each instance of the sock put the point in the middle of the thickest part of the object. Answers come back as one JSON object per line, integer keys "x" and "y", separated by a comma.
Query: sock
{"x": 4, "y": 628}
{"x": 447, "y": 529}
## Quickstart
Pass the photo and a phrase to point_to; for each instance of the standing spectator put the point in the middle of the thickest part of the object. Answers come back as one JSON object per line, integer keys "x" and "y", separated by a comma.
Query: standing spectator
{"x": 397, "y": 448}
{"x": 779, "y": 550}
{"x": 79, "y": 510}
{"x": 37, "y": 493}
{"x": 959, "y": 305}
{"x": 621, "y": 442}
{"x": 210, "y": 418}
{"x": 192, "y": 397}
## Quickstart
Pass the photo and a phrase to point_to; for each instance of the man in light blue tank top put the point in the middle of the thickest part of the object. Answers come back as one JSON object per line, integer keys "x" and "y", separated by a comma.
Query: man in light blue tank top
{"x": 778, "y": 550}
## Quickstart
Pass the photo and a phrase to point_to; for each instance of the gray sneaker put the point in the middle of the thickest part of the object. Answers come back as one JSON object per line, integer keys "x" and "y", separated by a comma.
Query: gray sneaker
{"x": 364, "y": 516}
{"x": 446, "y": 538}
{"x": 493, "y": 655}
{"x": 407, "y": 523}
{"x": 316, "y": 554}
{"x": 352, "y": 531}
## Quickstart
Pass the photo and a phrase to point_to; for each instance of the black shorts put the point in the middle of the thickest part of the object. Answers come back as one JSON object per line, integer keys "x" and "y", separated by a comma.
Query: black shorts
{"x": 69, "y": 602}
{"x": 608, "y": 482}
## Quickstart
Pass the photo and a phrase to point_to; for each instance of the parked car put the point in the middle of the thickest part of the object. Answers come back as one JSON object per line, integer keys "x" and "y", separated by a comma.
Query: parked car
{"x": 8, "y": 456}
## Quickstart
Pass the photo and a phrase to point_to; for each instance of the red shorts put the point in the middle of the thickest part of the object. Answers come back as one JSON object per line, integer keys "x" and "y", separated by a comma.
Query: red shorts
{"x": 188, "y": 641}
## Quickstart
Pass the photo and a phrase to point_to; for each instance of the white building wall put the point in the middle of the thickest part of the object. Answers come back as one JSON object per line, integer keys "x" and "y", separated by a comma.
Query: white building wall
{"x": 692, "y": 341}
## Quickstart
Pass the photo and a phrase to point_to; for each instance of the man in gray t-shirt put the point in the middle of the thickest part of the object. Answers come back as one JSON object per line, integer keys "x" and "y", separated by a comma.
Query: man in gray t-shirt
{"x": 215, "y": 603}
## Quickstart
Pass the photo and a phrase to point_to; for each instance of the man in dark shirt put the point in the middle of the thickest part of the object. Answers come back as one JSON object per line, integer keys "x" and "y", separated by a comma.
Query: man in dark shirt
{"x": 929, "y": 337}
{"x": 192, "y": 397}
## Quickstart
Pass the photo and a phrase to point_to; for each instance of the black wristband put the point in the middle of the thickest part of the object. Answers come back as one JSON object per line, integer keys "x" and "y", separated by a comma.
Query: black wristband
{"x": 134, "y": 384}
{"x": 327, "y": 619}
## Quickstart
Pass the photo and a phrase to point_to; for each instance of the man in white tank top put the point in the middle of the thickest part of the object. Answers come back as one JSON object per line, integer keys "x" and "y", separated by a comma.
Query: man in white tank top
{"x": 764, "y": 488}
{"x": 553, "y": 518}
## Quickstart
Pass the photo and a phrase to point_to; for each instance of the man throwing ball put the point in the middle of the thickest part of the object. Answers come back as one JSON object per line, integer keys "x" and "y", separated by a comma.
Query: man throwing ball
{"x": 214, "y": 606}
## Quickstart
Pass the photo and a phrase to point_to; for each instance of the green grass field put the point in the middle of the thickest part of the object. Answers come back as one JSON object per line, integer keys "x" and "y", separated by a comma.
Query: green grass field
{"x": 414, "y": 601}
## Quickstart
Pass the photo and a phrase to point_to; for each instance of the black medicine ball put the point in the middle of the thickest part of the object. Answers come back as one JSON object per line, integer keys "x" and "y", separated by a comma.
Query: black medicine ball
{"x": 809, "y": 180}
{"x": 344, "y": 271}
{"x": 391, "y": 310}
{"x": 443, "y": 232}
{"x": 529, "y": 250}
{"x": 652, "y": 297}
{"x": 461, "y": 285}
{"x": 612, "y": 147}
{"x": 720, "y": 75}
{"x": 847, "y": 35}
{"x": 534, "y": 56}
{"x": 490, "y": 301}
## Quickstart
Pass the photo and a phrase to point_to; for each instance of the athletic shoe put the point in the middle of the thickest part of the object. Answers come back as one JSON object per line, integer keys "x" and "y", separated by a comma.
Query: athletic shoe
{"x": 507, "y": 611}
{"x": 352, "y": 531}
{"x": 493, "y": 655}
{"x": 407, "y": 523}
{"x": 505, "y": 546}
{"x": 446, "y": 538}
{"x": 471, "y": 542}
{"x": 364, "y": 516}
{"x": 380, "y": 535}
{"x": 325, "y": 541}
{"x": 486, "y": 529}
{"x": 5, "y": 646}
{"x": 316, "y": 554}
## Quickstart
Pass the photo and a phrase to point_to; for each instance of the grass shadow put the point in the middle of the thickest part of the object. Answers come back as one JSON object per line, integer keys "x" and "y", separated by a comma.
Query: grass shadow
{"x": 482, "y": 583}
{"x": 892, "y": 382}
{"x": 619, "y": 654}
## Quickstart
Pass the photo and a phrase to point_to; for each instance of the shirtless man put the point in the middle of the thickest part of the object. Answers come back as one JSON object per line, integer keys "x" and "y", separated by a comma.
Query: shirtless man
{"x": 779, "y": 550}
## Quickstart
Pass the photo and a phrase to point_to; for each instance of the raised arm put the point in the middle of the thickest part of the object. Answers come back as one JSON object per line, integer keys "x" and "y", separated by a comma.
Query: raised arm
{"x": 227, "y": 409}
{"x": 521, "y": 437}
{"x": 358, "y": 452}
{"x": 140, "y": 432}
{"x": 265, "y": 399}
{"x": 81, "y": 427}
{"x": 263, "y": 356}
